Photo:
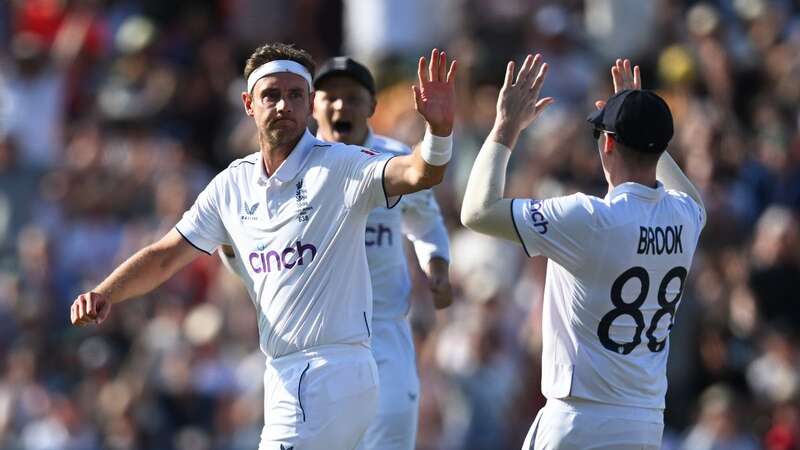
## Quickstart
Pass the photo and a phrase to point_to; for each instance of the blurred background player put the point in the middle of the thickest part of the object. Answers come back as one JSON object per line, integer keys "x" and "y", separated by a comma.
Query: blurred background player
{"x": 295, "y": 212}
{"x": 344, "y": 100}
{"x": 617, "y": 265}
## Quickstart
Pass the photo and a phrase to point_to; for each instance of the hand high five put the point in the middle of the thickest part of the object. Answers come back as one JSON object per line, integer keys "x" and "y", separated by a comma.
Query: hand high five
{"x": 519, "y": 103}
{"x": 623, "y": 77}
{"x": 434, "y": 98}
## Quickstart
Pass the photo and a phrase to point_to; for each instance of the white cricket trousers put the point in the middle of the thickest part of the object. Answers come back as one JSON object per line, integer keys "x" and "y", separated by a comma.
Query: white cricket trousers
{"x": 395, "y": 425}
{"x": 585, "y": 425}
{"x": 321, "y": 398}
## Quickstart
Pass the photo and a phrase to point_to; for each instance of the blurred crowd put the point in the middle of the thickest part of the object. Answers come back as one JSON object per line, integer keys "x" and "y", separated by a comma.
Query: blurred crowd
{"x": 114, "y": 114}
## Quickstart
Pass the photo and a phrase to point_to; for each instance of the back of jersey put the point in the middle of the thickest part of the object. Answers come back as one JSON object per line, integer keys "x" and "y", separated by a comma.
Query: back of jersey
{"x": 617, "y": 270}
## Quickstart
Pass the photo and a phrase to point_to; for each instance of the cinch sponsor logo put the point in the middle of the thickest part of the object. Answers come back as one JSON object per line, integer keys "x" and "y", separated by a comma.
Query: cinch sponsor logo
{"x": 537, "y": 218}
{"x": 264, "y": 262}
{"x": 375, "y": 235}
{"x": 657, "y": 240}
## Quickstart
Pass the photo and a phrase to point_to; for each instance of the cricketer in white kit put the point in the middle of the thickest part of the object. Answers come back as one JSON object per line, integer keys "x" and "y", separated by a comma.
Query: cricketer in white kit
{"x": 295, "y": 214}
{"x": 617, "y": 265}
{"x": 344, "y": 99}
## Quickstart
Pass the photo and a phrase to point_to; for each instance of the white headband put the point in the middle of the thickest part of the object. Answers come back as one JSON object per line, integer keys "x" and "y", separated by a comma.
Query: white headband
{"x": 278, "y": 66}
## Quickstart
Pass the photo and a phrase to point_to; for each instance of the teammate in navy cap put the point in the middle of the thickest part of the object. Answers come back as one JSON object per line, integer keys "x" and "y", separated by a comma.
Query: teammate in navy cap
{"x": 617, "y": 265}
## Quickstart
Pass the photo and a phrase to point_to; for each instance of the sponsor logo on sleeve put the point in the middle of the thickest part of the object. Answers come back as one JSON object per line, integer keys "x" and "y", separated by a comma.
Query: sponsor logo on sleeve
{"x": 538, "y": 221}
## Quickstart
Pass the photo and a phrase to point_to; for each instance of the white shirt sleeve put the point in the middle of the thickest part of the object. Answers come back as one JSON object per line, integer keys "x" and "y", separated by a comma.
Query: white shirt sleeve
{"x": 701, "y": 214}
{"x": 424, "y": 227}
{"x": 558, "y": 228}
{"x": 202, "y": 224}
{"x": 364, "y": 171}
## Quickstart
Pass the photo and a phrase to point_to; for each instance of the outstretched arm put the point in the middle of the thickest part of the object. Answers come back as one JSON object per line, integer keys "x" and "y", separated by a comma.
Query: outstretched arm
{"x": 484, "y": 209}
{"x": 667, "y": 171}
{"x": 138, "y": 275}
{"x": 434, "y": 99}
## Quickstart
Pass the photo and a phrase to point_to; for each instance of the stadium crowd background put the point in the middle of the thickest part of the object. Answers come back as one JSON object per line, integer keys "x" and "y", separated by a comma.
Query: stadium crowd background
{"x": 115, "y": 113}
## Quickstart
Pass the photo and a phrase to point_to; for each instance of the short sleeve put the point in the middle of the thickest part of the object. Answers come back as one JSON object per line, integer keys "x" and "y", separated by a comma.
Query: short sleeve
{"x": 365, "y": 187}
{"x": 202, "y": 224}
{"x": 559, "y": 228}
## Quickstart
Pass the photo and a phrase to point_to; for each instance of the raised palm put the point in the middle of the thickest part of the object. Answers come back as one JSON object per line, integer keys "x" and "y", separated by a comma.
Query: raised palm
{"x": 624, "y": 77}
{"x": 434, "y": 97}
{"x": 519, "y": 101}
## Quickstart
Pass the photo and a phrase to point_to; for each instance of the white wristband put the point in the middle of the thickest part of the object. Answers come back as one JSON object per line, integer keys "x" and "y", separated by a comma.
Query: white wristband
{"x": 436, "y": 150}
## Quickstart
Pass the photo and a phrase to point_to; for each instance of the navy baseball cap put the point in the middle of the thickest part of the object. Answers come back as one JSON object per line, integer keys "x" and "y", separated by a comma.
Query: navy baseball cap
{"x": 639, "y": 119}
{"x": 344, "y": 65}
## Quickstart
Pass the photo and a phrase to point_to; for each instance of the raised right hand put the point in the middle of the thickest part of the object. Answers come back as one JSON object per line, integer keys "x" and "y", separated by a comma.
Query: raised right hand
{"x": 518, "y": 104}
{"x": 88, "y": 308}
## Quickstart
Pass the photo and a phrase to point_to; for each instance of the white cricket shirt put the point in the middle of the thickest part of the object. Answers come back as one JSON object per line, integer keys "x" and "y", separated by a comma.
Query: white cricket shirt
{"x": 617, "y": 268}
{"x": 299, "y": 235}
{"x": 418, "y": 218}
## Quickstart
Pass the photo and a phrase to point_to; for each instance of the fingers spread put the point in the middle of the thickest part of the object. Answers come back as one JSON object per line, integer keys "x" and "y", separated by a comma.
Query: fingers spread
{"x": 509, "y": 75}
{"x": 442, "y": 76}
{"x": 626, "y": 64}
{"x": 537, "y": 65}
{"x": 616, "y": 77}
{"x": 417, "y": 97}
{"x": 526, "y": 67}
{"x": 451, "y": 74}
{"x": 422, "y": 67}
{"x": 434, "y": 67}
{"x": 539, "y": 80}
{"x": 544, "y": 103}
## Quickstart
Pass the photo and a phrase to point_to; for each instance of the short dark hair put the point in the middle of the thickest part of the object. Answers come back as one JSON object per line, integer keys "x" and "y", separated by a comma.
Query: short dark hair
{"x": 276, "y": 51}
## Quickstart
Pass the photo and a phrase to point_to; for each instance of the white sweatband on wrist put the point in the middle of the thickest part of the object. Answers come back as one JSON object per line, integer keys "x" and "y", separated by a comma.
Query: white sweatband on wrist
{"x": 278, "y": 66}
{"x": 436, "y": 150}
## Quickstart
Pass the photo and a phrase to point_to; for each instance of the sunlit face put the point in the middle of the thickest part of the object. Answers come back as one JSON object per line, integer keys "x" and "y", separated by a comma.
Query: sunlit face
{"x": 342, "y": 107}
{"x": 280, "y": 105}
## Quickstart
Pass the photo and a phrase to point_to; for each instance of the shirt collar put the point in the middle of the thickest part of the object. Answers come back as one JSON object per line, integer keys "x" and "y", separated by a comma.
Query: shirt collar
{"x": 369, "y": 142}
{"x": 639, "y": 190}
{"x": 291, "y": 165}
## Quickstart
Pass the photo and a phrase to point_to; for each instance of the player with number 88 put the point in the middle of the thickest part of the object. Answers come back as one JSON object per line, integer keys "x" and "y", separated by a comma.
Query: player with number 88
{"x": 617, "y": 265}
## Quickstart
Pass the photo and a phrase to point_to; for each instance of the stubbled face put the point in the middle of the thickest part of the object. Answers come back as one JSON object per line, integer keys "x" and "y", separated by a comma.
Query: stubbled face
{"x": 280, "y": 104}
{"x": 342, "y": 107}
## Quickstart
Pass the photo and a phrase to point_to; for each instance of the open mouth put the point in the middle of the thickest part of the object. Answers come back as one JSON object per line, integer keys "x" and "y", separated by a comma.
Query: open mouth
{"x": 342, "y": 126}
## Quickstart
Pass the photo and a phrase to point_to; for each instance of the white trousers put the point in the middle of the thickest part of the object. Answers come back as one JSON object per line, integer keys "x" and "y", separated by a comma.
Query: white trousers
{"x": 585, "y": 425}
{"x": 319, "y": 399}
{"x": 395, "y": 425}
